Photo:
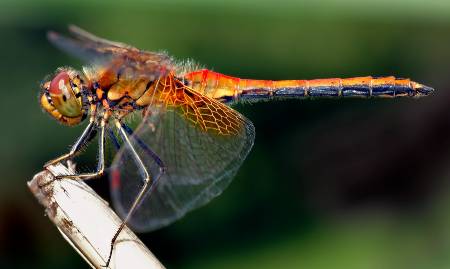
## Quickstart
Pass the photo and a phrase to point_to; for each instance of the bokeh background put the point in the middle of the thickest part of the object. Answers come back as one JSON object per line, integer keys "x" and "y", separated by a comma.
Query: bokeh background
{"x": 346, "y": 183}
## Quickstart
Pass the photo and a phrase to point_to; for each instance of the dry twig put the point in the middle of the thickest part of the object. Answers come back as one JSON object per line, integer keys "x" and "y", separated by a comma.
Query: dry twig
{"x": 87, "y": 222}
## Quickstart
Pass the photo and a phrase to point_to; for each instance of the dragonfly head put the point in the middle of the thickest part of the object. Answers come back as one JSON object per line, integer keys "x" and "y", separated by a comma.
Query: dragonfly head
{"x": 62, "y": 98}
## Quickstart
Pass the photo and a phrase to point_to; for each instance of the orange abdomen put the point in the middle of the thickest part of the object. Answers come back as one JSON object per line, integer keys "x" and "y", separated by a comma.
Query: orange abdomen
{"x": 232, "y": 89}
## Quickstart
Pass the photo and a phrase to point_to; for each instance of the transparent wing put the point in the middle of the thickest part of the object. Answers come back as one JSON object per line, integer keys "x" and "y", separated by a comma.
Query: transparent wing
{"x": 110, "y": 54}
{"x": 85, "y": 36}
{"x": 202, "y": 144}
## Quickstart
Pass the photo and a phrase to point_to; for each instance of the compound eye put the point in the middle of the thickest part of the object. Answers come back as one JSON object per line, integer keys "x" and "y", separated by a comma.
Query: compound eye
{"x": 63, "y": 96}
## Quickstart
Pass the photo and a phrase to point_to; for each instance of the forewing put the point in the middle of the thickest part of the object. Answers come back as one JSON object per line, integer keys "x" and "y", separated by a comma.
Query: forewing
{"x": 201, "y": 158}
{"x": 109, "y": 54}
{"x": 87, "y": 37}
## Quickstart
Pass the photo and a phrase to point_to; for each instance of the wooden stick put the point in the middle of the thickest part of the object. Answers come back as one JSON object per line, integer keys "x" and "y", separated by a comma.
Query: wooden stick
{"x": 87, "y": 222}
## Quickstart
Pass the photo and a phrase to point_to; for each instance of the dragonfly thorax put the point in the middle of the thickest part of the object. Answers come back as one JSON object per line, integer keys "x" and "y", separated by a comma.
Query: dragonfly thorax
{"x": 62, "y": 97}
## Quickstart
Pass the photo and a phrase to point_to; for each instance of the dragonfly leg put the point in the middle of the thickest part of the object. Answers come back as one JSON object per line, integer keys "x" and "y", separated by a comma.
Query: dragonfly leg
{"x": 113, "y": 138}
{"x": 148, "y": 180}
{"x": 146, "y": 149}
{"x": 87, "y": 135}
{"x": 101, "y": 158}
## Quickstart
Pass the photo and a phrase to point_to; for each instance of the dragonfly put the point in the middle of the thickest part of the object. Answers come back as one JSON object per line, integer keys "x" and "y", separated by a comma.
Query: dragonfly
{"x": 188, "y": 142}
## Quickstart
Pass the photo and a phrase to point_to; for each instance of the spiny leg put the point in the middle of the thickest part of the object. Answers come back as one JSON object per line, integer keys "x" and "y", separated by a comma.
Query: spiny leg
{"x": 101, "y": 157}
{"x": 87, "y": 135}
{"x": 147, "y": 150}
{"x": 113, "y": 139}
{"x": 148, "y": 182}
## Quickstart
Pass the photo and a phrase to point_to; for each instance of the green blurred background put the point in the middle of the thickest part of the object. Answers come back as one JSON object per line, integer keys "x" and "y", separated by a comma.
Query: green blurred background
{"x": 329, "y": 183}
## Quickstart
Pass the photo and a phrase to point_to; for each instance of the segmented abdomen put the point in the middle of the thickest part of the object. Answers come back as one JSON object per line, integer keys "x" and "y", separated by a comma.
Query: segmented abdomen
{"x": 229, "y": 89}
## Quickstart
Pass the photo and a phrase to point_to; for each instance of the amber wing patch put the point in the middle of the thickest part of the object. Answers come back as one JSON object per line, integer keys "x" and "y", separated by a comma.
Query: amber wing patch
{"x": 204, "y": 112}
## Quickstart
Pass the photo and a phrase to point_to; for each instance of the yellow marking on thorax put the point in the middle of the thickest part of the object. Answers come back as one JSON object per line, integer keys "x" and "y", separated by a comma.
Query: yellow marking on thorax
{"x": 127, "y": 87}
{"x": 146, "y": 97}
